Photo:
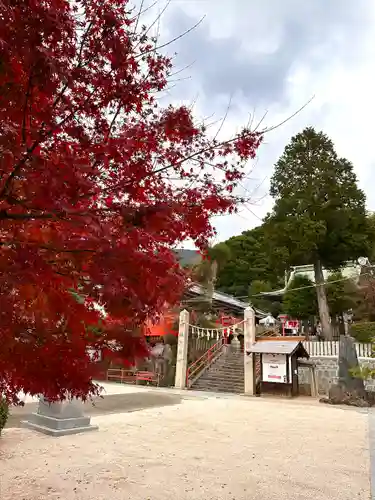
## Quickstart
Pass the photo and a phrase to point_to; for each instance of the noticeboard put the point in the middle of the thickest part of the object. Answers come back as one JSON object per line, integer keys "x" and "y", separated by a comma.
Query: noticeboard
{"x": 274, "y": 368}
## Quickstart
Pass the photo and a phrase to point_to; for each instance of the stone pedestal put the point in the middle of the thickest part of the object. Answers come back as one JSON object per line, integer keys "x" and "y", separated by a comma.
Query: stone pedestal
{"x": 235, "y": 344}
{"x": 226, "y": 349}
{"x": 59, "y": 419}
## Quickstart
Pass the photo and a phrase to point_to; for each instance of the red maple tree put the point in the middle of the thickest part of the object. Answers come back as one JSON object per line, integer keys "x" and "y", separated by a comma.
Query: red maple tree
{"x": 98, "y": 184}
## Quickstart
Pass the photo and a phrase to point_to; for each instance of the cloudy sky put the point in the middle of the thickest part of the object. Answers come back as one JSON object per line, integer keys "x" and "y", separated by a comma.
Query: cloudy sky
{"x": 272, "y": 56}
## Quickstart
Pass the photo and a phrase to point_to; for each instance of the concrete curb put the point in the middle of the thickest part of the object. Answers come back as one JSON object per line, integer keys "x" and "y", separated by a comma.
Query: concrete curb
{"x": 371, "y": 429}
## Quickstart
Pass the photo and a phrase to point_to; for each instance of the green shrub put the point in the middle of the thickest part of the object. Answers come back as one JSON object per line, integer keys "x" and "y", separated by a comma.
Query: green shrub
{"x": 363, "y": 332}
{"x": 4, "y": 413}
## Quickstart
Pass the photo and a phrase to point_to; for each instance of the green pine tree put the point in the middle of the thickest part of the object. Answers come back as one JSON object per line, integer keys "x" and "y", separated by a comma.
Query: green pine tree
{"x": 319, "y": 215}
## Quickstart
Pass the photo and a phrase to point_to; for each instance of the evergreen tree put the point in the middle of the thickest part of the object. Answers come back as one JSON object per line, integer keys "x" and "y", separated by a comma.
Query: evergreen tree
{"x": 300, "y": 301}
{"x": 319, "y": 214}
{"x": 342, "y": 294}
{"x": 266, "y": 303}
{"x": 250, "y": 261}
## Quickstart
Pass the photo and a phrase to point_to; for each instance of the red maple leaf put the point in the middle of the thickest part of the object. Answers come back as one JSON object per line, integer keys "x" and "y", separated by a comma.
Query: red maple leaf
{"x": 80, "y": 127}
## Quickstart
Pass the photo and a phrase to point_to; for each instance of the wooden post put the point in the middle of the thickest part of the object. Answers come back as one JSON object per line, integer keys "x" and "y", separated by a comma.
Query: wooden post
{"x": 182, "y": 350}
{"x": 249, "y": 359}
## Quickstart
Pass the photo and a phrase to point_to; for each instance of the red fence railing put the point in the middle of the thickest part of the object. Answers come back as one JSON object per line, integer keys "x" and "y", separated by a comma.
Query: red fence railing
{"x": 203, "y": 362}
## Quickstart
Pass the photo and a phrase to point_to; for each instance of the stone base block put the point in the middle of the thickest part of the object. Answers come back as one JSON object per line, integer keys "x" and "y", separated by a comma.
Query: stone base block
{"x": 58, "y": 426}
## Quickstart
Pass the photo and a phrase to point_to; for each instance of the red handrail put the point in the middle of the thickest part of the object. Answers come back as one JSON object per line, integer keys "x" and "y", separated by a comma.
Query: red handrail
{"x": 196, "y": 366}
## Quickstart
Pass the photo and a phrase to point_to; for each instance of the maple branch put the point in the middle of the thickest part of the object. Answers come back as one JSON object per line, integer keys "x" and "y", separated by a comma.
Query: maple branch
{"x": 134, "y": 216}
{"x": 5, "y": 191}
{"x": 17, "y": 168}
{"x": 192, "y": 156}
{"x": 47, "y": 247}
{"x": 28, "y": 93}
{"x": 83, "y": 41}
{"x": 67, "y": 250}
{"x": 30, "y": 150}
{"x": 111, "y": 125}
{"x": 229, "y": 141}
{"x": 5, "y": 215}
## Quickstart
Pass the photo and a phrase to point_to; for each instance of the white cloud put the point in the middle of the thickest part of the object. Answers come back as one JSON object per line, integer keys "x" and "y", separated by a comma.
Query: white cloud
{"x": 273, "y": 56}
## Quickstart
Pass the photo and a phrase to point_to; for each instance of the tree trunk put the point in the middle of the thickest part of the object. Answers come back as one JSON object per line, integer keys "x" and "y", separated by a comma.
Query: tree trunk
{"x": 322, "y": 300}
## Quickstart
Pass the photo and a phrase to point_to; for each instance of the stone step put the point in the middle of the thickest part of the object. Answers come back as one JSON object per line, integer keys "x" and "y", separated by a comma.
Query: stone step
{"x": 219, "y": 382}
{"x": 236, "y": 369}
{"x": 222, "y": 376}
{"x": 225, "y": 369}
{"x": 230, "y": 359}
{"x": 226, "y": 374}
{"x": 223, "y": 359}
{"x": 235, "y": 390}
{"x": 229, "y": 390}
{"x": 228, "y": 387}
{"x": 228, "y": 366}
{"x": 224, "y": 363}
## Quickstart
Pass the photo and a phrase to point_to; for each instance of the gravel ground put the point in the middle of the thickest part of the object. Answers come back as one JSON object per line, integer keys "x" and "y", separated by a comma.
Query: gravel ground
{"x": 112, "y": 403}
{"x": 200, "y": 449}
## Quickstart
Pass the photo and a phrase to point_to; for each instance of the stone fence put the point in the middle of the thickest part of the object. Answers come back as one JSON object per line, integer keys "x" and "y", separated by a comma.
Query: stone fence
{"x": 331, "y": 348}
{"x": 326, "y": 369}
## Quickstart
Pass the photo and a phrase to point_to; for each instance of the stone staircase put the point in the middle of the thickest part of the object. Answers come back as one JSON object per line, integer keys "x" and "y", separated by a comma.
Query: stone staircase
{"x": 226, "y": 374}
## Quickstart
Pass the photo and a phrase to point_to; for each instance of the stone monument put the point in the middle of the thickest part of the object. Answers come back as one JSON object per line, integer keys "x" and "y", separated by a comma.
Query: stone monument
{"x": 349, "y": 390}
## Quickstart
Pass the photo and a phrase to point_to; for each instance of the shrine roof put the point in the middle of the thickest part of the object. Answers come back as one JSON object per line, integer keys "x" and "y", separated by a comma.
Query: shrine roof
{"x": 279, "y": 347}
{"x": 227, "y": 302}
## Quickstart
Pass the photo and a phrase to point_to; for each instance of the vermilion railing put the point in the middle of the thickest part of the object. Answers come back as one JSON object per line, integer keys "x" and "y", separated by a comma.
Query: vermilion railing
{"x": 203, "y": 362}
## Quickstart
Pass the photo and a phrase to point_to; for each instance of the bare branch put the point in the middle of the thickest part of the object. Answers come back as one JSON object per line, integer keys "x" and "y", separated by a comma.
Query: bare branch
{"x": 173, "y": 39}
{"x": 155, "y": 21}
{"x": 138, "y": 16}
{"x": 289, "y": 117}
{"x": 253, "y": 213}
{"x": 261, "y": 120}
{"x": 182, "y": 69}
{"x": 224, "y": 118}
